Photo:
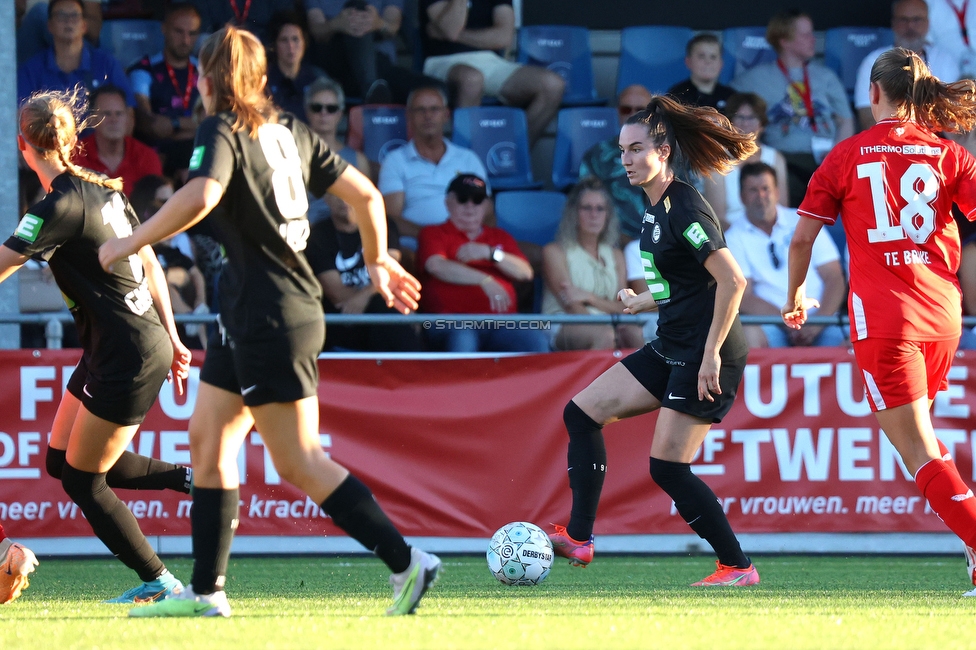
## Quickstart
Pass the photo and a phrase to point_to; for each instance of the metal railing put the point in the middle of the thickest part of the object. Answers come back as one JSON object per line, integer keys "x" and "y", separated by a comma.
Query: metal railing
{"x": 54, "y": 321}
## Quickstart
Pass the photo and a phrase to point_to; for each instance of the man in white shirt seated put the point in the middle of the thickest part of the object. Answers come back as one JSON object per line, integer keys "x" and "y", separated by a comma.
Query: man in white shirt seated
{"x": 760, "y": 242}
{"x": 414, "y": 178}
{"x": 910, "y": 24}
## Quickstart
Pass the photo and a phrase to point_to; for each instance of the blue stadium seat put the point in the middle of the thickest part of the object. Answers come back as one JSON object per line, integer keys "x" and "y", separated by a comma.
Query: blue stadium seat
{"x": 653, "y": 56}
{"x": 578, "y": 129}
{"x": 846, "y": 47}
{"x": 566, "y": 51}
{"x": 531, "y": 216}
{"x": 130, "y": 40}
{"x": 384, "y": 129}
{"x": 743, "y": 48}
{"x": 499, "y": 135}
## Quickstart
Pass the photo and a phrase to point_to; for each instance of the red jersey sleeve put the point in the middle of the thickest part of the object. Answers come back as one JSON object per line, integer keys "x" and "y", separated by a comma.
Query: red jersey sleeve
{"x": 964, "y": 193}
{"x": 824, "y": 195}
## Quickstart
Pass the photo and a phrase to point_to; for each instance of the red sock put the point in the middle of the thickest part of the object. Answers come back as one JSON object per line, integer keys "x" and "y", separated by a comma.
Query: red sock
{"x": 946, "y": 456}
{"x": 950, "y": 497}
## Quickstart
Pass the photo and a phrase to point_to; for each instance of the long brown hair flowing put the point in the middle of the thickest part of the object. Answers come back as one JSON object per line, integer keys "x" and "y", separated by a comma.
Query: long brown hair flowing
{"x": 50, "y": 121}
{"x": 237, "y": 66}
{"x": 909, "y": 84}
{"x": 702, "y": 136}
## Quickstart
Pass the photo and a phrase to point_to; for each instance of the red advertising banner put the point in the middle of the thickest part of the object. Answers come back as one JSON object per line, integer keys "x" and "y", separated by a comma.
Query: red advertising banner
{"x": 458, "y": 447}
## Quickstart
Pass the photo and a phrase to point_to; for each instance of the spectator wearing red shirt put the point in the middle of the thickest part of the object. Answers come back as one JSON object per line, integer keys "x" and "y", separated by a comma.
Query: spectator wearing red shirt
{"x": 109, "y": 150}
{"x": 468, "y": 268}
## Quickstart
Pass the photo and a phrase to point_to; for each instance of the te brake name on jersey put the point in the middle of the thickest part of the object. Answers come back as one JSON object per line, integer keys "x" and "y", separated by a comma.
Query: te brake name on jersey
{"x": 907, "y": 149}
{"x": 899, "y": 258}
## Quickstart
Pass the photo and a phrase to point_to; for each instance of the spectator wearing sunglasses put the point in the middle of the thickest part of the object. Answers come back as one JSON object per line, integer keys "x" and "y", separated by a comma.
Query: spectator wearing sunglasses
{"x": 467, "y": 267}
{"x": 413, "y": 178}
{"x": 324, "y": 105}
{"x": 760, "y": 243}
{"x": 603, "y": 161}
{"x": 289, "y": 75}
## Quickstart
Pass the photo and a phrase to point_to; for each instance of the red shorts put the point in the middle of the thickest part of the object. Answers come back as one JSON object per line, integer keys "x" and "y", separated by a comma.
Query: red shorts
{"x": 897, "y": 372}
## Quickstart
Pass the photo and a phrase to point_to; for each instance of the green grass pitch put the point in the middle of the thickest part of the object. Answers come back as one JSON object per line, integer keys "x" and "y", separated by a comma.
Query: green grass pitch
{"x": 617, "y": 602}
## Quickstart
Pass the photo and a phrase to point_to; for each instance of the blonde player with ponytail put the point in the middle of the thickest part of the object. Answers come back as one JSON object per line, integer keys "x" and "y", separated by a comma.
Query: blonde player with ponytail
{"x": 893, "y": 186}
{"x": 126, "y": 329}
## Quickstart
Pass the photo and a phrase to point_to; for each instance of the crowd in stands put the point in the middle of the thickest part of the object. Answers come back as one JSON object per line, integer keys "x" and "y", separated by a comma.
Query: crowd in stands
{"x": 328, "y": 58}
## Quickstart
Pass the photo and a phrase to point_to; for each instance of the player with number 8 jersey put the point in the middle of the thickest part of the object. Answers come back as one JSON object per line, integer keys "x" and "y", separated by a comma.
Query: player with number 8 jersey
{"x": 267, "y": 283}
{"x": 893, "y": 187}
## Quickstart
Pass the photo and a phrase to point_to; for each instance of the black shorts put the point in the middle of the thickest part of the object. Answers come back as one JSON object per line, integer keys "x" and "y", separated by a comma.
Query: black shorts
{"x": 122, "y": 393}
{"x": 279, "y": 369}
{"x": 675, "y": 385}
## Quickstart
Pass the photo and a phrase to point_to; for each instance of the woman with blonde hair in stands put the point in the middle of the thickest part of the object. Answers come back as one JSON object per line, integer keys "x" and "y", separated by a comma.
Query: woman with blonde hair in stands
{"x": 691, "y": 371}
{"x": 127, "y": 332}
{"x": 584, "y": 270}
{"x": 258, "y": 166}
{"x": 893, "y": 186}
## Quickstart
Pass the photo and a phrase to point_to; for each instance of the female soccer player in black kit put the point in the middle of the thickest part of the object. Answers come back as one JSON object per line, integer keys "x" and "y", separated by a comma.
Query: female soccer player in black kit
{"x": 126, "y": 328}
{"x": 691, "y": 371}
{"x": 256, "y": 163}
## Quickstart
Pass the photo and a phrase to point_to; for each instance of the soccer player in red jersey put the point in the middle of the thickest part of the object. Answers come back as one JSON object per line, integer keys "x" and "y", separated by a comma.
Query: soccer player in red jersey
{"x": 893, "y": 186}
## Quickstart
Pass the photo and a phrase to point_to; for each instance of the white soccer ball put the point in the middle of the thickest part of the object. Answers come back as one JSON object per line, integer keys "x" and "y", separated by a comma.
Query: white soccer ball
{"x": 520, "y": 553}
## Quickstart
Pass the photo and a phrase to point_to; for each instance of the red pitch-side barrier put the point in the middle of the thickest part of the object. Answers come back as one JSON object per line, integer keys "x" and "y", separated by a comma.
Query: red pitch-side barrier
{"x": 458, "y": 447}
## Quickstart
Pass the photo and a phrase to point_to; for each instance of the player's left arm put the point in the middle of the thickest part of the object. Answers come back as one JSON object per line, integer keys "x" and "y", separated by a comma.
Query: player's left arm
{"x": 730, "y": 284}
{"x": 156, "y": 279}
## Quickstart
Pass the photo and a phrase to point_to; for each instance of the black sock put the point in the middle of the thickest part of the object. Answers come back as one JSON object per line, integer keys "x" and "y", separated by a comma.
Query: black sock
{"x": 214, "y": 518}
{"x": 131, "y": 472}
{"x": 54, "y": 462}
{"x": 354, "y": 510}
{"x": 135, "y": 472}
{"x": 587, "y": 458}
{"x": 700, "y": 508}
{"x": 112, "y": 522}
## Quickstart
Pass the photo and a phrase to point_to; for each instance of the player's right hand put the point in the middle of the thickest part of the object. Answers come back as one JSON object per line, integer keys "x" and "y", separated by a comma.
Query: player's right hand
{"x": 400, "y": 289}
{"x": 795, "y": 313}
{"x": 111, "y": 252}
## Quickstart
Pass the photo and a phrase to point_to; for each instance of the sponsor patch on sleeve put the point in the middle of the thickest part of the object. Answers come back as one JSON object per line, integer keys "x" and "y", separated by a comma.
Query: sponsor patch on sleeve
{"x": 695, "y": 234}
{"x": 29, "y": 227}
{"x": 197, "y": 157}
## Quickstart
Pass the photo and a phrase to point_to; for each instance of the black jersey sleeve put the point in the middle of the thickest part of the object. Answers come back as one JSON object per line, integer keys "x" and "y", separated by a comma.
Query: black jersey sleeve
{"x": 695, "y": 225}
{"x": 214, "y": 155}
{"x": 58, "y": 217}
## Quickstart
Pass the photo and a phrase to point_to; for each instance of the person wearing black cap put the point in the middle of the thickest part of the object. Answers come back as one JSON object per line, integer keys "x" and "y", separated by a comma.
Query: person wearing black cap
{"x": 468, "y": 268}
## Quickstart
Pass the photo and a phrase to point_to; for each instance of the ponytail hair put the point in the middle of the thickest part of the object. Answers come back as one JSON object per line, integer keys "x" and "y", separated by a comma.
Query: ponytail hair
{"x": 237, "y": 66}
{"x": 49, "y": 122}
{"x": 701, "y": 135}
{"x": 907, "y": 83}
